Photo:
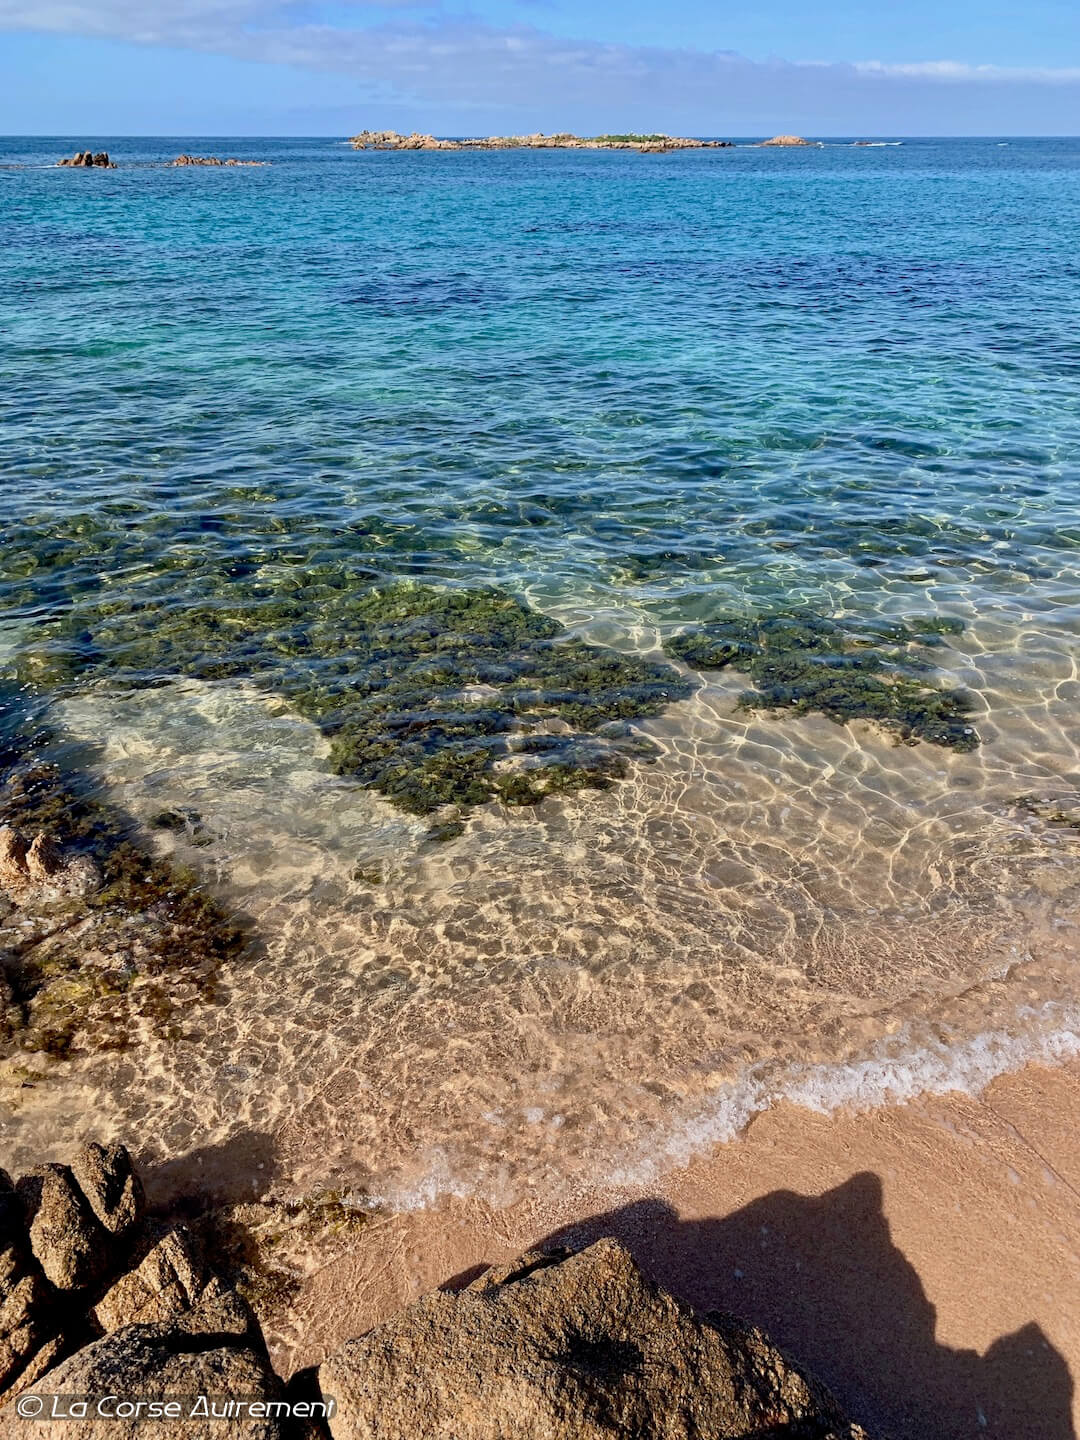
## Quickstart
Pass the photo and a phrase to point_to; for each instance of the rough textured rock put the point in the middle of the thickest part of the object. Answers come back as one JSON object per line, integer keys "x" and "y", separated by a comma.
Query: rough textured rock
{"x": 578, "y": 1347}
{"x": 787, "y": 141}
{"x": 211, "y": 160}
{"x": 42, "y": 859}
{"x": 40, "y": 1363}
{"x": 556, "y": 1346}
{"x": 196, "y": 1355}
{"x": 87, "y": 159}
{"x": 29, "y": 1318}
{"x": 69, "y": 1244}
{"x": 171, "y": 1279}
{"x": 14, "y": 873}
{"x": 107, "y": 1178}
{"x": 39, "y": 870}
{"x": 63, "y": 1234}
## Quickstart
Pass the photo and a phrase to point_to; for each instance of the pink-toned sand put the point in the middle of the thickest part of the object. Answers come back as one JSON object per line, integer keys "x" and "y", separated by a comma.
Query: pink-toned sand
{"x": 923, "y": 1260}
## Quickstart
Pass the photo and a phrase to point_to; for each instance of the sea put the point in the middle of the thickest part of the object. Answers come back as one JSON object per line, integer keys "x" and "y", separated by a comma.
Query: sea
{"x": 630, "y": 397}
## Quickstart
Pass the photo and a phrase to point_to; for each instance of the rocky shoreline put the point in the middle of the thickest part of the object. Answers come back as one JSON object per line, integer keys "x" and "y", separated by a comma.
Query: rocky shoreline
{"x": 101, "y": 942}
{"x": 211, "y": 160}
{"x": 100, "y": 1297}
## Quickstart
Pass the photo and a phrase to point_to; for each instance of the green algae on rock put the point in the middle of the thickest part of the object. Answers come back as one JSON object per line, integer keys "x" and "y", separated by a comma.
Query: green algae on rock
{"x": 843, "y": 669}
{"x": 432, "y": 697}
{"x": 129, "y": 948}
{"x": 1060, "y": 811}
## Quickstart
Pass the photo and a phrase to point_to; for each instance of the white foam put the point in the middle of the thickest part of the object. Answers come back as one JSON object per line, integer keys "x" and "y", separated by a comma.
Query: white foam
{"x": 896, "y": 1071}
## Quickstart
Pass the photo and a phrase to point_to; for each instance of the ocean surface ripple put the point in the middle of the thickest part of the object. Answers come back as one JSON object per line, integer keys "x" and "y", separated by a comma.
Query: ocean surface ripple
{"x": 638, "y": 393}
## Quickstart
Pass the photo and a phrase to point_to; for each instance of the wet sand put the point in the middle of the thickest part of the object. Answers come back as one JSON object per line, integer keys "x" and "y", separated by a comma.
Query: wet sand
{"x": 924, "y": 1260}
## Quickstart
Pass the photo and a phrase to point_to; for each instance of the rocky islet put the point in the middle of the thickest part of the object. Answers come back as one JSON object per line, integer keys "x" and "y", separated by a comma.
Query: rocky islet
{"x": 210, "y": 160}
{"x": 88, "y": 160}
{"x": 392, "y": 140}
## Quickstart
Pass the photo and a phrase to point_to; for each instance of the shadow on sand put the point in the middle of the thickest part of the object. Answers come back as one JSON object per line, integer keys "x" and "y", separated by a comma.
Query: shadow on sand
{"x": 235, "y": 1172}
{"x": 823, "y": 1277}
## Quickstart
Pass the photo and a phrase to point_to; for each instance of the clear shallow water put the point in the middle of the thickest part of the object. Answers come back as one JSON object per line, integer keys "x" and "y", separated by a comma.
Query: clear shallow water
{"x": 637, "y": 392}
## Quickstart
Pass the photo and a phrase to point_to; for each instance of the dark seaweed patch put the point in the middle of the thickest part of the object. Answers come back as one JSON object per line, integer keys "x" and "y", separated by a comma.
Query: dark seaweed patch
{"x": 844, "y": 669}
{"x": 431, "y": 697}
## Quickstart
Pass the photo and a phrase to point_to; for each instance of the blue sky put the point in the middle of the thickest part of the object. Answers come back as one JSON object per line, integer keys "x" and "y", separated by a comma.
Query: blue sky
{"x": 729, "y": 67}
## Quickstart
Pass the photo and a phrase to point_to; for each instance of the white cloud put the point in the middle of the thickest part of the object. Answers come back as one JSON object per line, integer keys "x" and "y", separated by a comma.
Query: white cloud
{"x": 958, "y": 71}
{"x": 435, "y": 59}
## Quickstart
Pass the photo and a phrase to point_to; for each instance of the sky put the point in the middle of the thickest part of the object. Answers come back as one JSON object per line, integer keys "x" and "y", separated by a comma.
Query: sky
{"x": 735, "y": 68}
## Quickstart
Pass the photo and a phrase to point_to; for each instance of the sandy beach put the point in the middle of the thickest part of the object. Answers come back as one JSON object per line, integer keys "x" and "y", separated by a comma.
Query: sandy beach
{"x": 923, "y": 1259}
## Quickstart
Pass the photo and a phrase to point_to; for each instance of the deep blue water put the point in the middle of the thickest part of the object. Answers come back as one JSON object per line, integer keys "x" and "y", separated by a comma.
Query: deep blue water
{"x": 655, "y": 384}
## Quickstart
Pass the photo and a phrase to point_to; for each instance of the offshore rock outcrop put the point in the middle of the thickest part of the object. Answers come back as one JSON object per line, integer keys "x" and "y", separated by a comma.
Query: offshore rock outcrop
{"x": 787, "y": 142}
{"x": 211, "y": 160}
{"x": 556, "y": 1346}
{"x": 88, "y": 160}
{"x": 391, "y": 140}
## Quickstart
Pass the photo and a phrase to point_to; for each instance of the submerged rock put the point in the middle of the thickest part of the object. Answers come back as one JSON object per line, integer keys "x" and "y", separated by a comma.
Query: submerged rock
{"x": 843, "y": 669}
{"x": 98, "y": 940}
{"x": 14, "y": 871}
{"x": 1059, "y": 811}
{"x": 570, "y": 1347}
{"x": 422, "y": 691}
{"x": 40, "y": 870}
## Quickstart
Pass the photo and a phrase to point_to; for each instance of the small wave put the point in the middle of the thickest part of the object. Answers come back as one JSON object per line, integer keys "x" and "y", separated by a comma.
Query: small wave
{"x": 895, "y": 1072}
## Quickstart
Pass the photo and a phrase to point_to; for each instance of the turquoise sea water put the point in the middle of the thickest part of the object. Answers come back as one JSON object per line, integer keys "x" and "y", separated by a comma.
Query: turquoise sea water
{"x": 642, "y": 379}
{"x": 637, "y": 392}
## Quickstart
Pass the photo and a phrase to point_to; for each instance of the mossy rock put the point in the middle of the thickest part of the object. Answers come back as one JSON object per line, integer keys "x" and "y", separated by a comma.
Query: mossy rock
{"x": 422, "y": 691}
{"x": 844, "y": 669}
{"x": 264, "y": 1247}
{"x": 90, "y": 972}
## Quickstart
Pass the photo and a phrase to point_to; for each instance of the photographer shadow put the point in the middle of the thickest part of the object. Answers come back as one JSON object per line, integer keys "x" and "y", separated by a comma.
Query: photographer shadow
{"x": 822, "y": 1276}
